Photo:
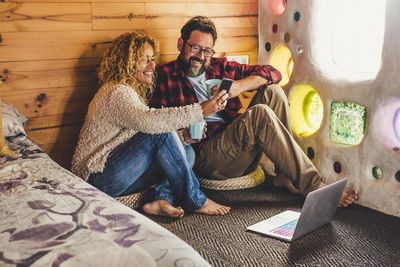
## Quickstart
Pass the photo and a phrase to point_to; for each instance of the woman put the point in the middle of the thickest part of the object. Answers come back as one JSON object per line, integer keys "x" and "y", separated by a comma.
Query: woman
{"x": 123, "y": 142}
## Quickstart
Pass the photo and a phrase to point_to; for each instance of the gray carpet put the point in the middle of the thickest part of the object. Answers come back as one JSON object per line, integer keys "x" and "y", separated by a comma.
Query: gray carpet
{"x": 357, "y": 236}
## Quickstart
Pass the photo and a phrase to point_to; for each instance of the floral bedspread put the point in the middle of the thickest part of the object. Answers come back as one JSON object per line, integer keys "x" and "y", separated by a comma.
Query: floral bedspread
{"x": 50, "y": 217}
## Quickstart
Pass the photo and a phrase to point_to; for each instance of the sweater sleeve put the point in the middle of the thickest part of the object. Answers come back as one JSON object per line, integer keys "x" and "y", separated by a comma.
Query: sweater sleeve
{"x": 128, "y": 111}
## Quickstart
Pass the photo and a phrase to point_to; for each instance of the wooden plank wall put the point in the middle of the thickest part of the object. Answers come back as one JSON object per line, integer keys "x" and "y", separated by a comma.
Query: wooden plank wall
{"x": 49, "y": 51}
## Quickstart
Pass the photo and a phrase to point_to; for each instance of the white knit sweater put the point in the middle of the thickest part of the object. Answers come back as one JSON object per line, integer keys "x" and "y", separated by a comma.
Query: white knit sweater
{"x": 115, "y": 114}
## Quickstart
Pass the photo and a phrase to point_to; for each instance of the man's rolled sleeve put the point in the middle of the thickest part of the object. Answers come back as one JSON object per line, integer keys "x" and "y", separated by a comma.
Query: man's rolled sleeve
{"x": 241, "y": 71}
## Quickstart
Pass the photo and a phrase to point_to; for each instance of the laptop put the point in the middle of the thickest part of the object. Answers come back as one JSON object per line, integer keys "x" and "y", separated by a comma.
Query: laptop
{"x": 318, "y": 209}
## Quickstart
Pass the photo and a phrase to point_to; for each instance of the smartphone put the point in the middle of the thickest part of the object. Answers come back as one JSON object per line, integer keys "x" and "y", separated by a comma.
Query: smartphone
{"x": 225, "y": 85}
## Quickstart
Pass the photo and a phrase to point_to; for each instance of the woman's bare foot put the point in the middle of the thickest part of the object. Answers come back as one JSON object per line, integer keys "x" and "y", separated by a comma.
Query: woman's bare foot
{"x": 164, "y": 208}
{"x": 283, "y": 181}
{"x": 348, "y": 196}
{"x": 213, "y": 208}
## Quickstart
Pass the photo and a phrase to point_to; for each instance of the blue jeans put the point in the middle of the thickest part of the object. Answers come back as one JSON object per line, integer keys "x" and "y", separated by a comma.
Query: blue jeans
{"x": 147, "y": 159}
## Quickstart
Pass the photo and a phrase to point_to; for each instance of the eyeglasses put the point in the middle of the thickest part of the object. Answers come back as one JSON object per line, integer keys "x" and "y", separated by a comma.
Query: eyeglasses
{"x": 196, "y": 49}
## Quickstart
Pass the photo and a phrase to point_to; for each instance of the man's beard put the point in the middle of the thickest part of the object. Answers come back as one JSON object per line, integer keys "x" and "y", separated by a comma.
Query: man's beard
{"x": 191, "y": 71}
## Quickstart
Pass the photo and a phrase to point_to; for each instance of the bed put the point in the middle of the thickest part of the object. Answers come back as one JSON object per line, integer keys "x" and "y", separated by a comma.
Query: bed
{"x": 50, "y": 217}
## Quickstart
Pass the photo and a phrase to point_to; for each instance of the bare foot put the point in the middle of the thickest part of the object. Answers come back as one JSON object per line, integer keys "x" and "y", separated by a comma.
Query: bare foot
{"x": 164, "y": 208}
{"x": 213, "y": 208}
{"x": 283, "y": 181}
{"x": 348, "y": 196}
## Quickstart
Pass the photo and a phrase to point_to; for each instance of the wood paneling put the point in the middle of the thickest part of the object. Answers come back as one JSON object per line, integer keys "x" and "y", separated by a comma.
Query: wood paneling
{"x": 49, "y": 50}
{"x": 171, "y": 15}
{"x": 28, "y": 46}
{"x": 38, "y": 123}
{"x": 50, "y": 101}
{"x": 45, "y": 17}
{"x": 59, "y": 142}
{"x": 226, "y": 15}
{"x": 130, "y": 1}
{"x": 48, "y": 73}
{"x": 119, "y": 16}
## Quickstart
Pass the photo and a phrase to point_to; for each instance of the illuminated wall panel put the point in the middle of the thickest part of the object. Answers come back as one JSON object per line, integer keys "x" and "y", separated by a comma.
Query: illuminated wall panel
{"x": 348, "y": 38}
{"x": 281, "y": 59}
{"x": 386, "y": 123}
{"x": 347, "y": 123}
{"x": 396, "y": 124}
{"x": 306, "y": 110}
{"x": 276, "y": 7}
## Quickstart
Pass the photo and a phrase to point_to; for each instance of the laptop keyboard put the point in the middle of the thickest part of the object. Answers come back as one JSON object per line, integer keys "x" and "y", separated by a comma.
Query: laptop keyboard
{"x": 286, "y": 229}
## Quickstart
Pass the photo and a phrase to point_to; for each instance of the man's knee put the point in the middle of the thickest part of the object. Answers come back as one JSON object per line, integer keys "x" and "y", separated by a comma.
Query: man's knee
{"x": 261, "y": 124}
{"x": 275, "y": 91}
{"x": 261, "y": 113}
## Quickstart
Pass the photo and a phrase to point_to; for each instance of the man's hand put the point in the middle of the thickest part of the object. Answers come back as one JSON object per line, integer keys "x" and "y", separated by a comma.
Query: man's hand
{"x": 239, "y": 86}
{"x": 235, "y": 89}
{"x": 186, "y": 135}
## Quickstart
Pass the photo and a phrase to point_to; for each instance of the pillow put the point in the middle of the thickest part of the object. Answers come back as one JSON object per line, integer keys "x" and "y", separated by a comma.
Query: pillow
{"x": 13, "y": 121}
{"x": 4, "y": 150}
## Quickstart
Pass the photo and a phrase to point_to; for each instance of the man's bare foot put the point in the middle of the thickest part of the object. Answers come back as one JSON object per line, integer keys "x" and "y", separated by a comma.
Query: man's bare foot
{"x": 213, "y": 208}
{"x": 283, "y": 181}
{"x": 348, "y": 196}
{"x": 164, "y": 208}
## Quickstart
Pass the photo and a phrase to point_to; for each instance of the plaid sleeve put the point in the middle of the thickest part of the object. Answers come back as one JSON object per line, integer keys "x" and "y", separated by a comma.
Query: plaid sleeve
{"x": 240, "y": 71}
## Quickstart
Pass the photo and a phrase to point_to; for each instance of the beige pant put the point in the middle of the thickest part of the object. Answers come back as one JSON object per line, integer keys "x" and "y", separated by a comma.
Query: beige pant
{"x": 263, "y": 128}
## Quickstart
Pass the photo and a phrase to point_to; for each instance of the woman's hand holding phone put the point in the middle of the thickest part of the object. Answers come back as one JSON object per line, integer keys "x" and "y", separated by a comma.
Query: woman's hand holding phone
{"x": 215, "y": 104}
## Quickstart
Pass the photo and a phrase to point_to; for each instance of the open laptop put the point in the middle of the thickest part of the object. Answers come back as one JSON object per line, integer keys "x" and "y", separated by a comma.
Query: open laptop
{"x": 318, "y": 209}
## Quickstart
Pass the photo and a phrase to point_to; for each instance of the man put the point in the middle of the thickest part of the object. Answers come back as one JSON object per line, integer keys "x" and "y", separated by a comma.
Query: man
{"x": 235, "y": 143}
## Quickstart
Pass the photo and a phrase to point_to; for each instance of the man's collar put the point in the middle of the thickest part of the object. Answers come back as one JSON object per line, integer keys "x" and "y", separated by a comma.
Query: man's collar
{"x": 178, "y": 68}
{"x": 211, "y": 72}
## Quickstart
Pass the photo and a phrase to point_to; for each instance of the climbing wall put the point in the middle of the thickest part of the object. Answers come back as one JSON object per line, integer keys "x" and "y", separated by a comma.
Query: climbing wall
{"x": 340, "y": 63}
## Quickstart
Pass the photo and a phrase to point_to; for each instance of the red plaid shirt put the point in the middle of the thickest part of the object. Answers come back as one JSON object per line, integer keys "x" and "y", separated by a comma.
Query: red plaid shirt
{"x": 174, "y": 89}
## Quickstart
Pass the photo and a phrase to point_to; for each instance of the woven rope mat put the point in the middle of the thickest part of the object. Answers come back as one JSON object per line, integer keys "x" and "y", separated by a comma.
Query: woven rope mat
{"x": 252, "y": 179}
{"x": 133, "y": 200}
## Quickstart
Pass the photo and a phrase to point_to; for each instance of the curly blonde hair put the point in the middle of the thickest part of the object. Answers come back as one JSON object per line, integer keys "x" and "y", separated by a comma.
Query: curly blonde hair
{"x": 120, "y": 62}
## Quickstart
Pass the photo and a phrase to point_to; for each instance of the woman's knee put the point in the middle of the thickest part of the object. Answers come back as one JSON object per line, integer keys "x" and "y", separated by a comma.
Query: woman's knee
{"x": 161, "y": 136}
{"x": 186, "y": 150}
{"x": 174, "y": 139}
{"x": 190, "y": 155}
{"x": 106, "y": 185}
{"x": 160, "y": 139}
